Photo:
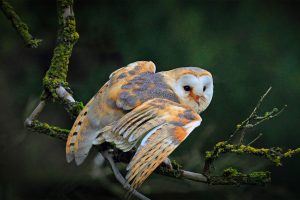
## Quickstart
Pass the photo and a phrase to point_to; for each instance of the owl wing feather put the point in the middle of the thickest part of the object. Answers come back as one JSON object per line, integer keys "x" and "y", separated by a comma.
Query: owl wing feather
{"x": 80, "y": 136}
{"x": 97, "y": 113}
{"x": 161, "y": 125}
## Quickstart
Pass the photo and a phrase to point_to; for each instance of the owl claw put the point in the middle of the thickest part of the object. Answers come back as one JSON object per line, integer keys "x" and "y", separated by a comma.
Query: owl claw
{"x": 167, "y": 162}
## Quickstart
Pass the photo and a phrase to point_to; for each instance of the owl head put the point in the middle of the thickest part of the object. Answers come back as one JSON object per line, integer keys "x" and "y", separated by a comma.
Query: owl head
{"x": 192, "y": 85}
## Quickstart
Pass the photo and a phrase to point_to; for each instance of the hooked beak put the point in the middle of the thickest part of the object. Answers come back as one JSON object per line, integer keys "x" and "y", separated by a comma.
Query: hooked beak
{"x": 202, "y": 103}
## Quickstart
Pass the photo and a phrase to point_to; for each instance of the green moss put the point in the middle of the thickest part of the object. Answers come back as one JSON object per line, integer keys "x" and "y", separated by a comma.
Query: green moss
{"x": 69, "y": 33}
{"x": 20, "y": 26}
{"x": 46, "y": 129}
{"x": 175, "y": 172}
{"x": 215, "y": 153}
{"x": 231, "y": 172}
{"x": 291, "y": 152}
{"x": 67, "y": 37}
{"x": 208, "y": 154}
{"x": 273, "y": 154}
{"x": 75, "y": 108}
{"x": 255, "y": 178}
{"x": 260, "y": 175}
{"x": 65, "y": 3}
{"x": 57, "y": 73}
{"x": 234, "y": 177}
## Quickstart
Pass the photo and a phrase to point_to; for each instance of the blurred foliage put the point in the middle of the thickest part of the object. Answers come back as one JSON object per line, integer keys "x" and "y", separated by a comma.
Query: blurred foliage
{"x": 247, "y": 45}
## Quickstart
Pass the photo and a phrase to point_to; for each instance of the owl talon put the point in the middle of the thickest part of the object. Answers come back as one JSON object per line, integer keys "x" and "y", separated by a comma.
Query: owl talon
{"x": 167, "y": 162}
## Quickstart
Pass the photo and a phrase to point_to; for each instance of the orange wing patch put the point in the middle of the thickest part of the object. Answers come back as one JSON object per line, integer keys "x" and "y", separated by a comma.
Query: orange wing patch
{"x": 180, "y": 133}
{"x": 174, "y": 123}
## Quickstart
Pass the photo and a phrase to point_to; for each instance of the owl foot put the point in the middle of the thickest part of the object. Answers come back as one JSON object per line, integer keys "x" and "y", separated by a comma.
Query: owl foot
{"x": 167, "y": 162}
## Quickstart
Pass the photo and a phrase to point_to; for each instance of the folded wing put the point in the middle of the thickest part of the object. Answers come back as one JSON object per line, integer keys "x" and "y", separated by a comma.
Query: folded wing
{"x": 160, "y": 125}
{"x": 108, "y": 105}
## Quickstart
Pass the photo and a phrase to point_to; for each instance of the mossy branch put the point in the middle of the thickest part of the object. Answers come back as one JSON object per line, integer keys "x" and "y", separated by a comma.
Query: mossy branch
{"x": 56, "y": 89}
{"x": 44, "y": 128}
{"x": 67, "y": 36}
{"x": 232, "y": 176}
{"x": 55, "y": 80}
{"x": 19, "y": 25}
{"x": 275, "y": 155}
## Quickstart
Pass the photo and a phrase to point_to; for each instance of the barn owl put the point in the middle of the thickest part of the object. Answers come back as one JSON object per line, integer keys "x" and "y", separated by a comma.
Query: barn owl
{"x": 137, "y": 107}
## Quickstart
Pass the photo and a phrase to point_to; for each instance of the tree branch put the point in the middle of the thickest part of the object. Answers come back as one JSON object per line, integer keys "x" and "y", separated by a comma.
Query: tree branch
{"x": 19, "y": 25}
{"x": 56, "y": 89}
{"x": 119, "y": 176}
{"x": 44, "y": 128}
{"x": 273, "y": 154}
{"x": 35, "y": 113}
{"x": 55, "y": 81}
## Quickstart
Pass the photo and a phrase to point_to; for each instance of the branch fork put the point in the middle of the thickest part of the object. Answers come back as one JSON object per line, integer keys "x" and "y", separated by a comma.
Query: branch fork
{"x": 56, "y": 89}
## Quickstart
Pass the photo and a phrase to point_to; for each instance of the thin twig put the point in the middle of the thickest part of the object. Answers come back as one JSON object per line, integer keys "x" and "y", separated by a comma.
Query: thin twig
{"x": 35, "y": 113}
{"x": 243, "y": 125}
{"x": 120, "y": 178}
{"x": 255, "y": 139}
{"x": 56, "y": 87}
{"x": 259, "y": 103}
{"x": 19, "y": 25}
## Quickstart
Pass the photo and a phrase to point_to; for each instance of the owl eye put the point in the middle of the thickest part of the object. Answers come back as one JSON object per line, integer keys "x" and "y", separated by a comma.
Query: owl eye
{"x": 187, "y": 88}
{"x": 204, "y": 88}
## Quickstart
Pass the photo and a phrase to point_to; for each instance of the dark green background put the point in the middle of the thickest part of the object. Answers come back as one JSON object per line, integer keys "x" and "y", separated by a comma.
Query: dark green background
{"x": 247, "y": 45}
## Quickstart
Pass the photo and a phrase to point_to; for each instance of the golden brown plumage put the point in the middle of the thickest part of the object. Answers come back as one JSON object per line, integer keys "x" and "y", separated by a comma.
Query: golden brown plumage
{"x": 140, "y": 108}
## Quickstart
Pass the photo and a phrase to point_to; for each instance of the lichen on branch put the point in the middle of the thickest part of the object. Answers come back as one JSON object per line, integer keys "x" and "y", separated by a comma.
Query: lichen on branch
{"x": 275, "y": 155}
{"x": 19, "y": 25}
{"x": 56, "y": 89}
{"x": 232, "y": 176}
{"x": 44, "y": 128}
{"x": 66, "y": 38}
{"x": 57, "y": 73}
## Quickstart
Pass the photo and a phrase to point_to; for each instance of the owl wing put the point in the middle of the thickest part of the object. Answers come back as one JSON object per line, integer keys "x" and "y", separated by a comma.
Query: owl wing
{"x": 85, "y": 126}
{"x": 161, "y": 125}
{"x": 106, "y": 106}
{"x": 128, "y": 86}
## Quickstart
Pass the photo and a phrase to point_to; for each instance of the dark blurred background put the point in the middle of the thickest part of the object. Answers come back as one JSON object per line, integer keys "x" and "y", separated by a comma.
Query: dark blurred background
{"x": 247, "y": 45}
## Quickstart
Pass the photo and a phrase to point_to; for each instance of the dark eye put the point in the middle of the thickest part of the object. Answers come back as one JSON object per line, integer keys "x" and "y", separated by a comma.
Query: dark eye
{"x": 187, "y": 88}
{"x": 204, "y": 88}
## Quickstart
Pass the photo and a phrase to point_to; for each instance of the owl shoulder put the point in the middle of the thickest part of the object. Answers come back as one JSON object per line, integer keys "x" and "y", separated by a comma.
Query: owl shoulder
{"x": 138, "y": 67}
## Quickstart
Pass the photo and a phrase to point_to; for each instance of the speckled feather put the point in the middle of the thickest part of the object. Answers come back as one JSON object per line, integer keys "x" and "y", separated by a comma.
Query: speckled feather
{"x": 124, "y": 91}
{"x": 168, "y": 125}
{"x": 136, "y": 108}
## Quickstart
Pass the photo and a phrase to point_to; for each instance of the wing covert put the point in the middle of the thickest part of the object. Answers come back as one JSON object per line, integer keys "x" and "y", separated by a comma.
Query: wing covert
{"x": 136, "y": 83}
{"x": 160, "y": 125}
{"x": 101, "y": 110}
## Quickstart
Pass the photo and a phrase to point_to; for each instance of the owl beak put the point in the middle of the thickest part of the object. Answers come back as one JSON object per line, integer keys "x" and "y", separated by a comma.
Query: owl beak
{"x": 200, "y": 100}
{"x": 202, "y": 103}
